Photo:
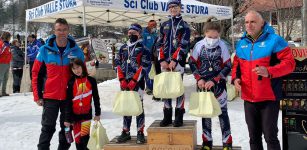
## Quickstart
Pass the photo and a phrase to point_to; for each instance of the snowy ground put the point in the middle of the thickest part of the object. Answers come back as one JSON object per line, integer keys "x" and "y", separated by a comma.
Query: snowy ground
{"x": 20, "y": 118}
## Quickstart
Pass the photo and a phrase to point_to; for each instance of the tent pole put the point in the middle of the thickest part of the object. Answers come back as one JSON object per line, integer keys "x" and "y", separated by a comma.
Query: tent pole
{"x": 232, "y": 34}
{"x": 84, "y": 23}
{"x": 25, "y": 64}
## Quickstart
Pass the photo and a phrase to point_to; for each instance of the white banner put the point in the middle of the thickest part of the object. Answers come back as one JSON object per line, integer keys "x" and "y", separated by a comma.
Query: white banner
{"x": 191, "y": 10}
{"x": 51, "y": 8}
{"x": 189, "y": 7}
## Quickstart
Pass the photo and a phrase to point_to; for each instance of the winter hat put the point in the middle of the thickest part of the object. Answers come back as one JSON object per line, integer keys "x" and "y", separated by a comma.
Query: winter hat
{"x": 177, "y": 2}
{"x": 135, "y": 27}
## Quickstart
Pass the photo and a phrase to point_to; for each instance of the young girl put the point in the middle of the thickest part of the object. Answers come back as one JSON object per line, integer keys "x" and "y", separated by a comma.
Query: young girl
{"x": 210, "y": 64}
{"x": 81, "y": 90}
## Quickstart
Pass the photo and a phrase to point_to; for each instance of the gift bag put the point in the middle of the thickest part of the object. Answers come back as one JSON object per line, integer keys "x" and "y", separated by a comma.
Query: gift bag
{"x": 98, "y": 137}
{"x": 168, "y": 85}
{"x": 204, "y": 104}
{"x": 127, "y": 103}
{"x": 152, "y": 72}
{"x": 231, "y": 92}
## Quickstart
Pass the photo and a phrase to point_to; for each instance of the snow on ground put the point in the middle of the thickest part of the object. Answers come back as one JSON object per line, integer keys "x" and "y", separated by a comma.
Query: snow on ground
{"x": 20, "y": 118}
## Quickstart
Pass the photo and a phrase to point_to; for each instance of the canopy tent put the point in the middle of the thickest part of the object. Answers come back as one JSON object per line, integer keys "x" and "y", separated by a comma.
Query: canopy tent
{"x": 122, "y": 12}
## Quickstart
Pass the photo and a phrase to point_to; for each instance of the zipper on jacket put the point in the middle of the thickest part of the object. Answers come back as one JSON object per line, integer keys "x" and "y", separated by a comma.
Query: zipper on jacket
{"x": 251, "y": 65}
{"x": 61, "y": 56}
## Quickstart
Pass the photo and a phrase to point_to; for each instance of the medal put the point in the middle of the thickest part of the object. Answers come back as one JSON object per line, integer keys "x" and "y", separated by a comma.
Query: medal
{"x": 210, "y": 69}
{"x": 174, "y": 42}
{"x": 80, "y": 104}
{"x": 128, "y": 61}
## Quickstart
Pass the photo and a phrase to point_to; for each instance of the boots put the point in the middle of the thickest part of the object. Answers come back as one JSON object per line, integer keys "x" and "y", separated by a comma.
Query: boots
{"x": 124, "y": 137}
{"x": 179, "y": 117}
{"x": 168, "y": 112}
{"x": 207, "y": 145}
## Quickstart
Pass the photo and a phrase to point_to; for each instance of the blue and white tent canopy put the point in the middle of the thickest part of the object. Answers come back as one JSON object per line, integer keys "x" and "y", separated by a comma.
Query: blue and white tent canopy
{"x": 122, "y": 12}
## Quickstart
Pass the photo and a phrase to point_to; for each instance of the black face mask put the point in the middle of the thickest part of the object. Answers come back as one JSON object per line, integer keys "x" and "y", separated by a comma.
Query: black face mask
{"x": 133, "y": 38}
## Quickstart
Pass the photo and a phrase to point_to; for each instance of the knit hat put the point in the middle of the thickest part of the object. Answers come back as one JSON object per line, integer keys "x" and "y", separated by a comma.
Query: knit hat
{"x": 135, "y": 27}
{"x": 177, "y": 2}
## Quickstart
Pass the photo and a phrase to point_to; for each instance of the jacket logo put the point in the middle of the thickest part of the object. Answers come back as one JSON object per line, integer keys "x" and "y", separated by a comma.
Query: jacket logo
{"x": 262, "y": 44}
{"x": 244, "y": 46}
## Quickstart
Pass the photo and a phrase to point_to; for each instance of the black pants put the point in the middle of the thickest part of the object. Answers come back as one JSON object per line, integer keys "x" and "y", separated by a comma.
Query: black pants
{"x": 83, "y": 143}
{"x": 261, "y": 118}
{"x": 17, "y": 76}
{"x": 50, "y": 114}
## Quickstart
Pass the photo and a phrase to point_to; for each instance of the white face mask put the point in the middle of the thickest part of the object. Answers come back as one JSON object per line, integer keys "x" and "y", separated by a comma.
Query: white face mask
{"x": 211, "y": 43}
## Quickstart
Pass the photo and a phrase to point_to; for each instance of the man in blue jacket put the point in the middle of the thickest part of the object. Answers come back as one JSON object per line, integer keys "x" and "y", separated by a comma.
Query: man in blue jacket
{"x": 262, "y": 58}
{"x": 32, "y": 50}
{"x": 59, "y": 50}
{"x": 149, "y": 35}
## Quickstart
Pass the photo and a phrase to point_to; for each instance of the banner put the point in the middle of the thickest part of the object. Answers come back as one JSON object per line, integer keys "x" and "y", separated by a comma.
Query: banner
{"x": 51, "y": 8}
{"x": 189, "y": 7}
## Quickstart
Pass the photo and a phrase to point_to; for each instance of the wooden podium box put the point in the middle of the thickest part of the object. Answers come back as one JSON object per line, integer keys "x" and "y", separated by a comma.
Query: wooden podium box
{"x": 220, "y": 147}
{"x": 129, "y": 145}
{"x": 172, "y": 138}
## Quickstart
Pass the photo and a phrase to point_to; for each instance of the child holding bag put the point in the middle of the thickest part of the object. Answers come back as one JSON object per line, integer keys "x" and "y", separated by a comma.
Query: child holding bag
{"x": 81, "y": 89}
{"x": 210, "y": 64}
{"x": 132, "y": 61}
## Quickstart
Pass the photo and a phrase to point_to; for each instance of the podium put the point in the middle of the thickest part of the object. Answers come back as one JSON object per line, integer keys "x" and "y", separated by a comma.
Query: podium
{"x": 172, "y": 138}
{"x": 129, "y": 145}
{"x": 165, "y": 138}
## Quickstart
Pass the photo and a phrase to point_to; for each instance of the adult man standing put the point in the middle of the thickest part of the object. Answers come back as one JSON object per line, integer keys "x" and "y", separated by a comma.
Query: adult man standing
{"x": 56, "y": 55}
{"x": 5, "y": 59}
{"x": 262, "y": 57}
{"x": 149, "y": 35}
{"x": 173, "y": 42}
{"x": 32, "y": 50}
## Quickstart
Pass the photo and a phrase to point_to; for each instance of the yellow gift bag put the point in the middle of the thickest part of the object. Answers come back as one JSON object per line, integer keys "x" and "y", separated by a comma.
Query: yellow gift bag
{"x": 152, "y": 72}
{"x": 231, "y": 92}
{"x": 98, "y": 137}
{"x": 204, "y": 104}
{"x": 168, "y": 85}
{"x": 127, "y": 103}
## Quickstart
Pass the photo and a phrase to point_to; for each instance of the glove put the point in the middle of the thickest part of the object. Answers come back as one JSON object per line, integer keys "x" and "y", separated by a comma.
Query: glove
{"x": 132, "y": 84}
{"x": 123, "y": 84}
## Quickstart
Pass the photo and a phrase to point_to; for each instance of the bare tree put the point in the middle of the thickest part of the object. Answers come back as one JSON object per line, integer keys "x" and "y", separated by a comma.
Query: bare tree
{"x": 239, "y": 6}
{"x": 287, "y": 15}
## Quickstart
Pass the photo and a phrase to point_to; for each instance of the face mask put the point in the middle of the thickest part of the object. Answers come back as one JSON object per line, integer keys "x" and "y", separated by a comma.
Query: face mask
{"x": 133, "y": 38}
{"x": 211, "y": 43}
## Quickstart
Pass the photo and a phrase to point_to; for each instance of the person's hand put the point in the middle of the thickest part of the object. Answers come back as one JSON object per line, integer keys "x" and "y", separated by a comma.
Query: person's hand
{"x": 164, "y": 65}
{"x": 123, "y": 84}
{"x": 172, "y": 65}
{"x": 39, "y": 102}
{"x": 237, "y": 83}
{"x": 261, "y": 71}
{"x": 209, "y": 85}
{"x": 201, "y": 83}
{"x": 67, "y": 124}
{"x": 132, "y": 84}
{"x": 96, "y": 118}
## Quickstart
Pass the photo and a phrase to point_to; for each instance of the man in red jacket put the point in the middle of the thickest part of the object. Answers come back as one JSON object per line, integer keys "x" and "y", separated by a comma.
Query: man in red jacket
{"x": 262, "y": 57}
{"x": 59, "y": 50}
{"x": 5, "y": 59}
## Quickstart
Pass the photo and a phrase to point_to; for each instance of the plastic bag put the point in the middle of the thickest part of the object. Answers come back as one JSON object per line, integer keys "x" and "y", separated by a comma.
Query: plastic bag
{"x": 231, "y": 92}
{"x": 204, "y": 104}
{"x": 168, "y": 85}
{"x": 98, "y": 137}
{"x": 127, "y": 103}
{"x": 152, "y": 72}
